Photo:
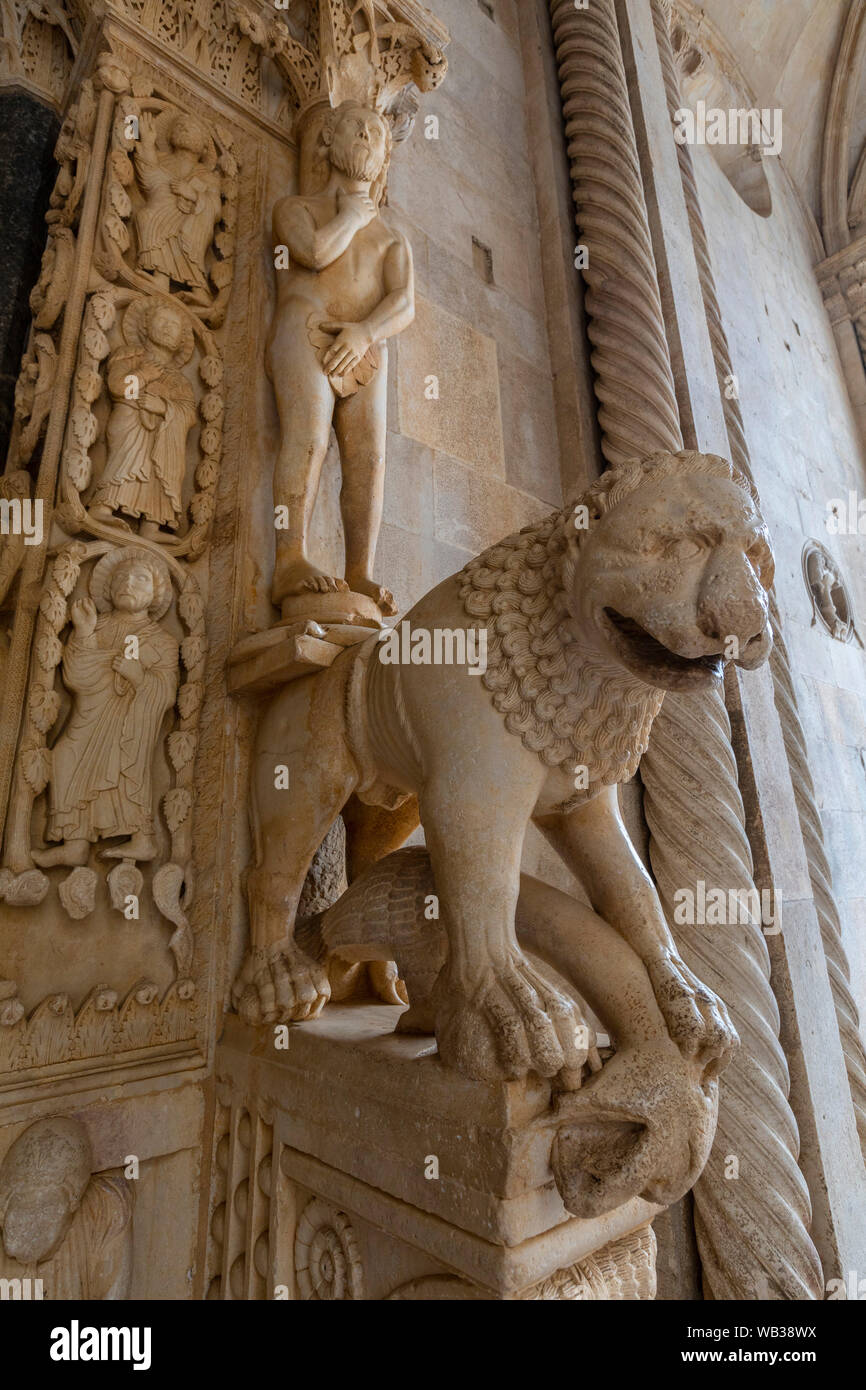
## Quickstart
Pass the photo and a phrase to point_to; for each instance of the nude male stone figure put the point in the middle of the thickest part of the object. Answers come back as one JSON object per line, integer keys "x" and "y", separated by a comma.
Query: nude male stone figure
{"x": 347, "y": 288}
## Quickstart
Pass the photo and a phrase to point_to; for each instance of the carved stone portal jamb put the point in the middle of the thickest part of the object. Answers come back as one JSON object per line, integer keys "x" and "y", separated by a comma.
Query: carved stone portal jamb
{"x": 110, "y": 81}
{"x": 94, "y": 313}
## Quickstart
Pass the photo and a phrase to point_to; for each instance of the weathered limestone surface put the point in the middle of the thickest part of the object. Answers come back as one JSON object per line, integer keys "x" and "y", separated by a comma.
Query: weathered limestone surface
{"x": 327, "y": 972}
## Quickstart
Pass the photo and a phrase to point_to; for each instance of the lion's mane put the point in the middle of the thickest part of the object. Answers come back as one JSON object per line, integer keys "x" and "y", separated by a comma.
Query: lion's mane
{"x": 566, "y": 704}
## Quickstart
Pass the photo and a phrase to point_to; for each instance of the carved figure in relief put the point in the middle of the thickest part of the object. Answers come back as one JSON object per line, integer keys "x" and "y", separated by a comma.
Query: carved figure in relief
{"x": 829, "y": 594}
{"x": 182, "y": 205}
{"x": 152, "y": 414}
{"x": 122, "y": 671}
{"x": 347, "y": 288}
{"x": 591, "y": 615}
{"x": 62, "y": 1223}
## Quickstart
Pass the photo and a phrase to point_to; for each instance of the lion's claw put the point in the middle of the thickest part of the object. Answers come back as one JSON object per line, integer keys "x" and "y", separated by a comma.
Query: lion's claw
{"x": 513, "y": 1023}
{"x": 697, "y": 1019}
{"x": 280, "y": 985}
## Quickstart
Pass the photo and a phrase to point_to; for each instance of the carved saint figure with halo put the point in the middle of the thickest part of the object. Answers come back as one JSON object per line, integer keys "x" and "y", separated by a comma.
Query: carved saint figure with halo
{"x": 122, "y": 671}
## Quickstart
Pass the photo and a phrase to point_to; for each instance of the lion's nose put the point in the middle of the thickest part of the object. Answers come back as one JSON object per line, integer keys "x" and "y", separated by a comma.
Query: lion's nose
{"x": 756, "y": 650}
{"x": 732, "y": 604}
{"x": 744, "y": 620}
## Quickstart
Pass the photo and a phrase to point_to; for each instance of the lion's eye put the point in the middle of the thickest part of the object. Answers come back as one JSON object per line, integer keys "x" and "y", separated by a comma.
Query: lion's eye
{"x": 684, "y": 548}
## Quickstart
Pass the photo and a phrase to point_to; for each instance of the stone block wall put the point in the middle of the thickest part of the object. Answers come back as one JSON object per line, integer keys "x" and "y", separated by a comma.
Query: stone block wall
{"x": 806, "y": 451}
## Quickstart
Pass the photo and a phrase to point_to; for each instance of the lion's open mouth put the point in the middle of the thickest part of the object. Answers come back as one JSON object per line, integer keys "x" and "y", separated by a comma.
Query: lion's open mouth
{"x": 640, "y": 650}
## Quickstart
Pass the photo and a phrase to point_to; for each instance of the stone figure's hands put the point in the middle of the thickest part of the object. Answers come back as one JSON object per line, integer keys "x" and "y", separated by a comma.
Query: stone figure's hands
{"x": 185, "y": 193}
{"x": 347, "y": 349}
{"x": 357, "y": 205}
{"x": 147, "y": 132}
{"x": 130, "y": 669}
{"x": 697, "y": 1019}
{"x": 154, "y": 405}
{"x": 83, "y": 615}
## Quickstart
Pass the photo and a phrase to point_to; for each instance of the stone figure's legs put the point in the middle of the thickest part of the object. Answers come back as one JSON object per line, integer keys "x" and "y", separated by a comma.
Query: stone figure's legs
{"x": 71, "y": 853}
{"x": 496, "y": 1016}
{"x": 298, "y": 787}
{"x": 305, "y": 403}
{"x": 361, "y": 425}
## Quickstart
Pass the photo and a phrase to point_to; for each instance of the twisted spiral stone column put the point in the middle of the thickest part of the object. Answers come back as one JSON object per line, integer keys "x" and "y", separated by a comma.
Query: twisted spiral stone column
{"x": 634, "y": 381}
{"x": 752, "y": 1231}
{"x": 783, "y": 686}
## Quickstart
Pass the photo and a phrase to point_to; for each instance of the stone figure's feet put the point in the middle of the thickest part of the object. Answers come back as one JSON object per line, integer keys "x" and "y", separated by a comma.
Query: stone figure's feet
{"x": 139, "y": 847}
{"x": 301, "y": 577}
{"x": 71, "y": 853}
{"x": 380, "y": 595}
{"x": 512, "y": 1023}
{"x": 697, "y": 1019}
{"x": 280, "y": 984}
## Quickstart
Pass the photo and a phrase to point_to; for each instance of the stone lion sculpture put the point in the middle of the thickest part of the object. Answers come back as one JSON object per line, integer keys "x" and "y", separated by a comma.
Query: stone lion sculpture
{"x": 650, "y": 583}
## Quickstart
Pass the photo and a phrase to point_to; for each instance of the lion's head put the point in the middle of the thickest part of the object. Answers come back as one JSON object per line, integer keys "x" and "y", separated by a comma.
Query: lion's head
{"x": 650, "y": 582}
{"x": 672, "y": 574}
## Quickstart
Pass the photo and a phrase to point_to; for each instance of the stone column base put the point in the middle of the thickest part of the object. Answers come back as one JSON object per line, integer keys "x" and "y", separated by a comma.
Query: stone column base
{"x": 350, "y": 1165}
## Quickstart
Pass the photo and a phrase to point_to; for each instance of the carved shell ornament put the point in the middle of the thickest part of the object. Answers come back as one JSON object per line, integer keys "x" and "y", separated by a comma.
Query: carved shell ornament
{"x": 327, "y": 1262}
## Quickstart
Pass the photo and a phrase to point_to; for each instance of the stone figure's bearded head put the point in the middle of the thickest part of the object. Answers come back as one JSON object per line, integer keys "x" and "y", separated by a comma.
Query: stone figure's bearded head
{"x": 42, "y": 1180}
{"x": 131, "y": 581}
{"x": 165, "y": 328}
{"x": 358, "y": 141}
{"x": 188, "y": 134}
{"x": 132, "y": 587}
{"x": 668, "y": 570}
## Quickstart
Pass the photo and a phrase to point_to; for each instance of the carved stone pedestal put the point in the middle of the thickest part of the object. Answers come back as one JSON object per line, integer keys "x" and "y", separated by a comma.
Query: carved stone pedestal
{"x": 350, "y": 1165}
{"x": 288, "y": 651}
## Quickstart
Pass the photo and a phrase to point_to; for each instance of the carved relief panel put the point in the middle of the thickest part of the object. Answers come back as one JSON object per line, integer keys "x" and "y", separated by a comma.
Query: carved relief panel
{"x": 129, "y": 334}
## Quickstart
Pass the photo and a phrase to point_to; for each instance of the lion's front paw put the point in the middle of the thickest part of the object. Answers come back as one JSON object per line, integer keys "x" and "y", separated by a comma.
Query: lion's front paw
{"x": 511, "y": 1023}
{"x": 697, "y": 1019}
{"x": 279, "y": 984}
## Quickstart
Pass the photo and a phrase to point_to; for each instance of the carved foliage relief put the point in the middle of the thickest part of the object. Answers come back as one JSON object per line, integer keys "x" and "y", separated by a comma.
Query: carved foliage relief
{"x": 144, "y": 435}
{"x": 100, "y": 812}
{"x": 38, "y": 44}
